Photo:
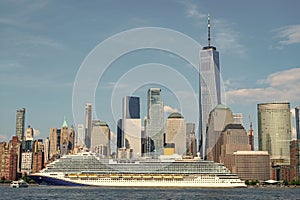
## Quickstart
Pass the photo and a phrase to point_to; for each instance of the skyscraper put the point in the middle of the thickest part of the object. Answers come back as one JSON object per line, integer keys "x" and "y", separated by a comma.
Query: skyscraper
{"x": 210, "y": 92}
{"x": 274, "y": 129}
{"x": 120, "y": 134}
{"x": 64, "y": 138}
{"x": 219, "y": 118}
{"x": 297, "y": 116}
{"x": 154, "y": 124}
{"x": 131, "y": 125}
{"x": 88, "y": 124}
{"x": 27, "y": 151}
{"x": 191, "y": 140}
{"x": 20, "y": 124}
{"x": 176, "y": 132}
{"x": 80, "y": 135}
{"x": 54, "y": 150}
{"x": 100, "y": 138}
{"x": 131, "y": 107}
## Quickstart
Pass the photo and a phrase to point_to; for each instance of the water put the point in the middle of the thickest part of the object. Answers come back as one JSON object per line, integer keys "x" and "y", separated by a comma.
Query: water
{"x": 74, "y": 193}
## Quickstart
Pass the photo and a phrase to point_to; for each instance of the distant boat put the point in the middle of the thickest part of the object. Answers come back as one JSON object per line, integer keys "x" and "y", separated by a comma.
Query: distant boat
{"x": 18, "y": 184}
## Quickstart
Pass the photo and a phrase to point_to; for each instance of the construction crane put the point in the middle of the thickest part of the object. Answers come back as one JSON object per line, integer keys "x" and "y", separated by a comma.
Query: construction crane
{"x": 251, "y": 135}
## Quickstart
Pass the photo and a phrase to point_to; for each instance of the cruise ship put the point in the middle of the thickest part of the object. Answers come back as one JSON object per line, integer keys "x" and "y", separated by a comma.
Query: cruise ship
{"x": 86, "y": 169}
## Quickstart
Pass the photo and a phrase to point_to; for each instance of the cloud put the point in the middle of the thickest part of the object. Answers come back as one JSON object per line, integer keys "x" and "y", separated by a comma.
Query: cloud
{"x": 288, "y": 34}
{"x": 3, "y": 138}
{"x": 9, "y": 65}
{"x": 34, "y": 81}
{"x": 169, "y": 109}
{"x": 10, "y": 22}
{"x": 193, "y": 11}
{"x": 279, "y": 86}
{"x": 283, "y": 78}
{"x": 40, "y": 41}
{"x": 222, "y": 32}
{"x": 226, "y": 38}
{"x": 36, "y": 132}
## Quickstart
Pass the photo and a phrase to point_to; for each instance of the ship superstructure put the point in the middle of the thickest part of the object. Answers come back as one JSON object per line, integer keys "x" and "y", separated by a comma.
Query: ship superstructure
{"x": 87, "y": 169}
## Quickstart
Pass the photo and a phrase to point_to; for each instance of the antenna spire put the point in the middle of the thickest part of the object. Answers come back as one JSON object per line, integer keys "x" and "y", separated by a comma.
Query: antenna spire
{"x": 208, "y": 27}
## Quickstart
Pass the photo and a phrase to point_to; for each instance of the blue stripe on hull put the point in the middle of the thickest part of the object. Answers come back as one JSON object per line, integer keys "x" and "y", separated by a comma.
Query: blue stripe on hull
{"x": 43, "y": 180}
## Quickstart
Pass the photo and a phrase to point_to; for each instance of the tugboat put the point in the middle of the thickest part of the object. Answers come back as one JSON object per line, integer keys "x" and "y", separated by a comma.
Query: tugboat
{"x": 18, "y": 184}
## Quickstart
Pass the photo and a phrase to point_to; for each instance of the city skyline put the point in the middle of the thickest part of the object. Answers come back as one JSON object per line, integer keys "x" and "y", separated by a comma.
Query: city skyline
{"x": 41, "y": 54}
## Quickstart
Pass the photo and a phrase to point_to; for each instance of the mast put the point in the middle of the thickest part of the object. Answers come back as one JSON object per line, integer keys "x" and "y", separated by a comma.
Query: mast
{"x": 208, "y": 29}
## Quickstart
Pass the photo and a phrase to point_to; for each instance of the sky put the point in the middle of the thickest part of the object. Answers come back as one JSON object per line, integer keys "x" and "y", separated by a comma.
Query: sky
{"x": 47, "y": 46}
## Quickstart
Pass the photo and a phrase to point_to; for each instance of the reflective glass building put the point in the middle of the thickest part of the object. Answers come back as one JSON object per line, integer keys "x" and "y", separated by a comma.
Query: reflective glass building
{"x": 210, "y": 92}
{"x": 297, "y": 116}
{"x": 20, "y": 124}
{"x": 131, "y": 125}
{"x": 154, "y": 124}
{"x": 131, "y": 107}
{"x": 210, "y": 89}
{"x": 274, "y": 129}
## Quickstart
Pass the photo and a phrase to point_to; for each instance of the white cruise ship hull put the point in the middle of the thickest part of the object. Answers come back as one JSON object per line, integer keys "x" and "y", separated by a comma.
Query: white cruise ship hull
{"x": 205, "y": 182}
{"x": 88, "y": 170}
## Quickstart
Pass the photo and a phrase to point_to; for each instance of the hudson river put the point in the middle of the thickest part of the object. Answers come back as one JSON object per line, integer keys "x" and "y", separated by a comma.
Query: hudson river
{"x": 74, "y": 193}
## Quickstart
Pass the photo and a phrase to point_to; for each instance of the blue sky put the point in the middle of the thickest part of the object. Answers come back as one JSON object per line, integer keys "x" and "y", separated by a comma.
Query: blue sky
{"x": 44, "y": 43}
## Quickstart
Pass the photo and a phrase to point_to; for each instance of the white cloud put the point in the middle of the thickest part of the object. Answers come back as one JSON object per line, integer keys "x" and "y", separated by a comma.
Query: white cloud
{"x": 3, "y": 138}
{"x": 280, "y": 86}
{"x": 9, "y": 65}
{"x": 40, "y": 41}
{"x": 169, "y": 109}
{"x": 227, "y": 39}
{"x": 36, "y": 132}
{"x": 193, "y": 11}
{"x": 288, "y": 34}
{"x": 283, "y": 78}
{"x": 223, "y": 35}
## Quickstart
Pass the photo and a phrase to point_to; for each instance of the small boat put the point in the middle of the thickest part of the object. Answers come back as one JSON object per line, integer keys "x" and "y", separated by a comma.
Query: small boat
{"x": 18, "y": 184}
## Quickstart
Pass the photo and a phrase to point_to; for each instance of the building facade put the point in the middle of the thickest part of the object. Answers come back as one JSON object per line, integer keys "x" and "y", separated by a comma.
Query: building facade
{"x": 131, "y": 132}
{"x": 80, "y": 135}
{"x": 154, "y": 123}
{"x": 237, "y": 118}
{"x": 297, "y": 117}
{"x": 20, "y": 123}
{"x": 295, "y": 159}
{"x": 191, "y": 140}
{"x": 88, "y": 124}
{"x": 252, "y": 165}
{"x": 131, "y": 107}
{"x": 274, "y": 130}
{"x": 9, "y": 159}
{"x": 100, "y": 138}
{"x": 219, "y": 117}
{"x": 176, "y": 132}
{"x": 210, "y": 89}
{"x": 54, "y": 143}
{"x": 233, "y": 138}
{"x": 27, "y": 151}
{"x": 120, "y": 134}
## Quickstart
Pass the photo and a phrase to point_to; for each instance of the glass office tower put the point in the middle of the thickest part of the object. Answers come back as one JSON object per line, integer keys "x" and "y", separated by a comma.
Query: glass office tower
{"x": 131, "y": 125}
{"x": 210, "y": 91}
{"x": 274, "y": 129}
{"x": 297, "y": 116}
{"x": 154, "y": 124}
